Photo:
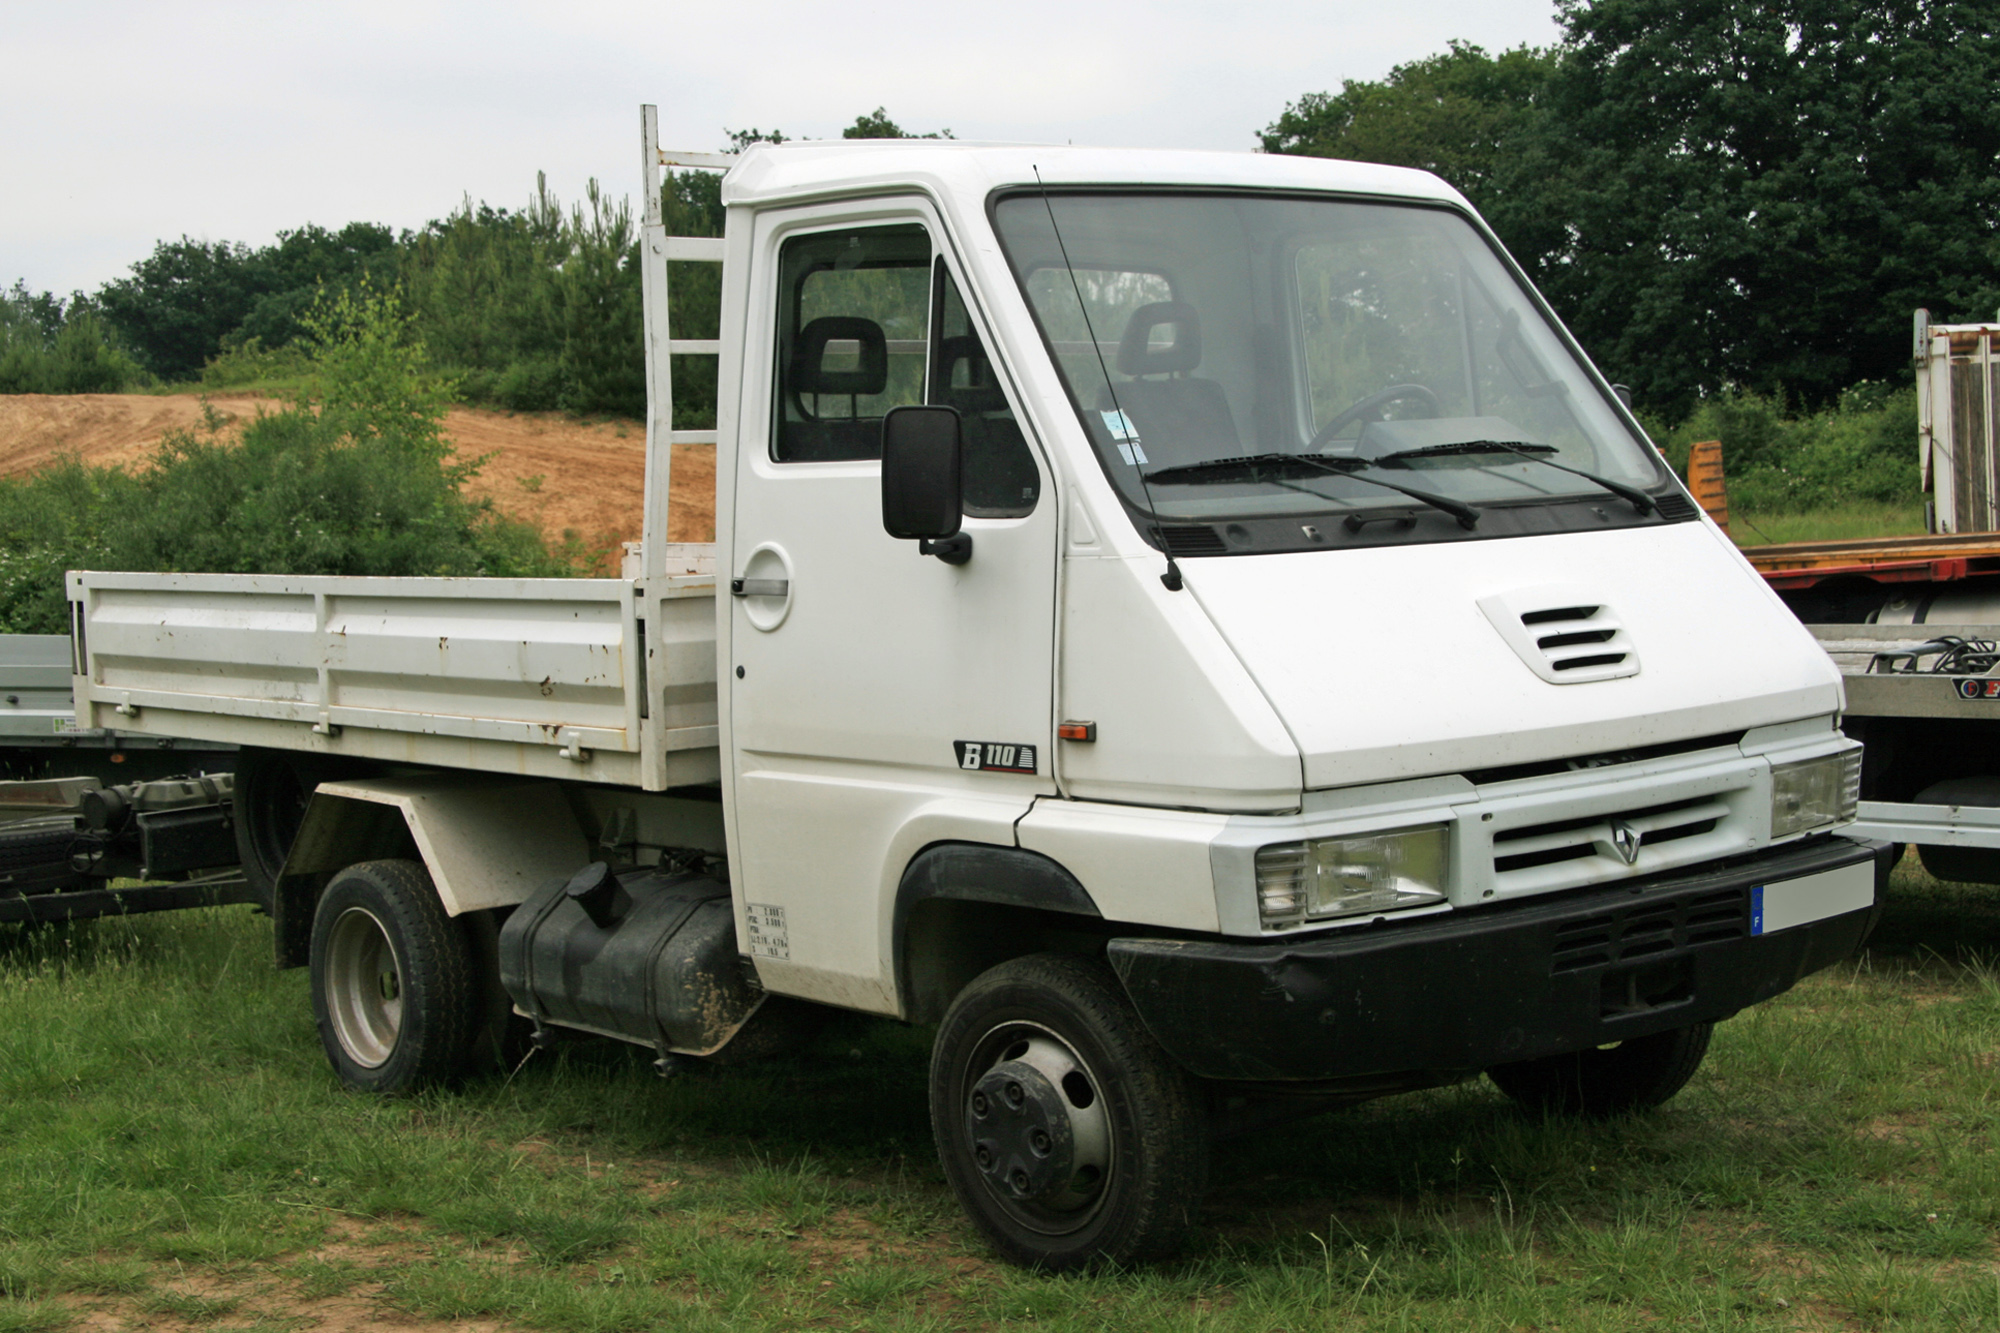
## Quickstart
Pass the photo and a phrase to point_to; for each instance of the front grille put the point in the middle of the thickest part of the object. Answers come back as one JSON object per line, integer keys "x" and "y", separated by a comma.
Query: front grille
{"x": 1628, "y": 934}
{"x": 1598, "y": 835}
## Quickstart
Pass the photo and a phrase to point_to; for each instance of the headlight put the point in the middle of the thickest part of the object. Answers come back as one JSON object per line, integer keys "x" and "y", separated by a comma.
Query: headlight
{"x": 1815, "y": 793}
{"x": 1299, "y": 882}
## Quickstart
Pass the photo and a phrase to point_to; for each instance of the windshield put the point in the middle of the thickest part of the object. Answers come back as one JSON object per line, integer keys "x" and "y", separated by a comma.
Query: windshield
{"x": 1357, "y": 361}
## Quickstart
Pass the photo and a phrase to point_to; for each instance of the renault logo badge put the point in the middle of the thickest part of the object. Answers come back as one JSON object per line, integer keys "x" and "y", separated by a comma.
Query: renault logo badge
{"x": 1625, "y": 841}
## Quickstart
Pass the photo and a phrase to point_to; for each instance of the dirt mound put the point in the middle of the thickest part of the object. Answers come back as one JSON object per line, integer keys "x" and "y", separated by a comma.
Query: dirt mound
{"x": 567, "y": 475}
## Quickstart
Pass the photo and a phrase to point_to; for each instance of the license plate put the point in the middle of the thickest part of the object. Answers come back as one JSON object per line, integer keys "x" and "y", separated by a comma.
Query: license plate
{"x": 1795, "y": 902}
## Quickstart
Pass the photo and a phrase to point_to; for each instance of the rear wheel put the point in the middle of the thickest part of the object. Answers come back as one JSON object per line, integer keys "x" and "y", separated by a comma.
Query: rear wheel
{"x": 395, "y": 992}
{"x": 1069, "y": 1136}
{"x": 1634, "y": 1075}
{"x": 269, "y": 804}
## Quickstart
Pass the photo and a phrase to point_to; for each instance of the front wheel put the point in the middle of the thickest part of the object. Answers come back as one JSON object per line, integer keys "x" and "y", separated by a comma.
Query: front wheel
{"x": 1068, "y": 1134}
{"x": 1634, "y": 1075}
{"x": 394, "y": 990}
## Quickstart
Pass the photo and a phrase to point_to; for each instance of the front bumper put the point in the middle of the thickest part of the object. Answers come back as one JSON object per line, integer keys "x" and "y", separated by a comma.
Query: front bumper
{"x": 1459, "y": 992}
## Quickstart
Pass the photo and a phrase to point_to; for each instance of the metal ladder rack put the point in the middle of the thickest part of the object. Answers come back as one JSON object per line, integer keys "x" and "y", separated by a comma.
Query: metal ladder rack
{"x": 657, "y": 249}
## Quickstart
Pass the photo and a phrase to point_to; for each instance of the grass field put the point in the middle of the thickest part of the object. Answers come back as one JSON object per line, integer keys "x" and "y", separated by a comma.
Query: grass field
{"x": 1852, "y": 522}
{"x": 174, "y": 1154}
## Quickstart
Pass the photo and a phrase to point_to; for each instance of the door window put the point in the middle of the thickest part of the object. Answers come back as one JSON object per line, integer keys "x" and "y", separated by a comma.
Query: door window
{"x": 869, "y": 321}
{"x": 852, "y": 323}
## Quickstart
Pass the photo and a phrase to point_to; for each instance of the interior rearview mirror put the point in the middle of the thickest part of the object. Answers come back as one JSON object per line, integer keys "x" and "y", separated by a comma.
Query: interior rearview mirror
{"x": 923, "y": 480}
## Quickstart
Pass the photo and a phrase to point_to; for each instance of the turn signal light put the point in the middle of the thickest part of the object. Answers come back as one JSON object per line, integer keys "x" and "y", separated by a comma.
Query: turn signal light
{"x": 1077, "y": 731}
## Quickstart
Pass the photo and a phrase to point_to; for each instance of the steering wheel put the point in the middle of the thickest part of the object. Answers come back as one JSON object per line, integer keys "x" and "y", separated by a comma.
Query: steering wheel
{"x": 1371, "y": 408}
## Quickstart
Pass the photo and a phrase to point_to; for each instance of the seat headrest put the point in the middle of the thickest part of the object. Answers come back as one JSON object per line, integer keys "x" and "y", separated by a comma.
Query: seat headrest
{"x": 1139, "y": 355}
{"x": 809, "y": 373}
{"x": 981, "y": 391}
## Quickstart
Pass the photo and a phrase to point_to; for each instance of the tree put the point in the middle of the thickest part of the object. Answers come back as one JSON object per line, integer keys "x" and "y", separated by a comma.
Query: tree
{"x": 1460, "y": 114}
{"x": 1718, "y": 193}
{"x": 877, "y": 125}
{"x": 1758, "y": 192}
{"x": 180, "y": 302}
{"x": 291, "y": 273}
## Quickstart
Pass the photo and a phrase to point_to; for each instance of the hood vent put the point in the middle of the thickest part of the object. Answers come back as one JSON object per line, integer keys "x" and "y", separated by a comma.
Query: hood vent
{"x": 1673, "y": 507}
{"x": 1192, "y": 540}
{"x": 1565, "y": 635}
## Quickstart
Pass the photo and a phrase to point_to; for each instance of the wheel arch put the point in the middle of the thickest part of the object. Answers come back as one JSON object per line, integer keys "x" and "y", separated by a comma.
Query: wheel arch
{"x": 963, "y": 907}
{"x": 485, "y": 843}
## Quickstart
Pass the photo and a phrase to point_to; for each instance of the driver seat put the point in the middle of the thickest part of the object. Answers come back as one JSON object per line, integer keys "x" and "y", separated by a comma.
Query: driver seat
{"x": 1179, "y": 419}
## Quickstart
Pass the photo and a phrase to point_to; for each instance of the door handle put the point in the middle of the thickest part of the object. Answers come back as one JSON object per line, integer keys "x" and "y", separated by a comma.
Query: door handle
{"x": 760, "y": 587}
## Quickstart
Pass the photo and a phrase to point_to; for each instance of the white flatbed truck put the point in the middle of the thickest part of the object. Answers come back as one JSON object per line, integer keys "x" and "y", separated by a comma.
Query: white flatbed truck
{"x": 1192, "y": 626}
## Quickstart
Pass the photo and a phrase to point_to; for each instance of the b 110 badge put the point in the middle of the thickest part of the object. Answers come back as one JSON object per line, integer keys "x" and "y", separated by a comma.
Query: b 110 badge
{"x": 1977, "y": 689}
{"x": 995, "y": 757}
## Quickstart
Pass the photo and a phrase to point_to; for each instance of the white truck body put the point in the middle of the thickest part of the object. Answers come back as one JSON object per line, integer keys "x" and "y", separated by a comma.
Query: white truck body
{"x": 1080, "y": 724}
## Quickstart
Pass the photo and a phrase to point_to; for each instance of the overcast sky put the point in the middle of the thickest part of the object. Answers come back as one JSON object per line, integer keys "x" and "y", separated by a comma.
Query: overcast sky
{"x": 126, "y": 123}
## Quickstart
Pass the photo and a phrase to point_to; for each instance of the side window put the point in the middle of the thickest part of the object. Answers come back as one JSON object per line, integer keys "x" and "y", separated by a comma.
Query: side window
{"x": 1001, "y": 480}
{"x": 853, "y": 311}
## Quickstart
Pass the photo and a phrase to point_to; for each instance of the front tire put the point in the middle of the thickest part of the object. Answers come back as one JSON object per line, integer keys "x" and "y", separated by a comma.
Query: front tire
{"x": 1068, "y": 1135}
{"x": 1634, "y": 1075}
{"x": 395, "y": 992}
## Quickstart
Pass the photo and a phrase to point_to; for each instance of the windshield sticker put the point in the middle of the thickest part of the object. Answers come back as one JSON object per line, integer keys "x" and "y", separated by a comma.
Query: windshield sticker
{"x": 994, "y": 757}
{"x": 1127, "y": 437}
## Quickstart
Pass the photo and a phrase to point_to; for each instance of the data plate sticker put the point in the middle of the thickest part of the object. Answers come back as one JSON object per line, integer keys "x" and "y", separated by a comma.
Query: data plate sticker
{"x": 1976, "y": 687}
{"x": 995, "y": 757}
{"x": 766, "y": 925}
{"x": 1795, "y": 902}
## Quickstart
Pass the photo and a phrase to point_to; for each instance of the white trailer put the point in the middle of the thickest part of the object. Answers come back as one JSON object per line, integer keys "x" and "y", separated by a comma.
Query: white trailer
{"x": 1196, "y": 628}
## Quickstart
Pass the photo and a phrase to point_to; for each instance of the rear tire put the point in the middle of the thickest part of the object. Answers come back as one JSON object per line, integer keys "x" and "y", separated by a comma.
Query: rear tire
{"x": 394, "y": 987}
{"x": 1634, "y": 1075}
{"x": 1069, "y": 1136}
{"x": 272, "y": 791}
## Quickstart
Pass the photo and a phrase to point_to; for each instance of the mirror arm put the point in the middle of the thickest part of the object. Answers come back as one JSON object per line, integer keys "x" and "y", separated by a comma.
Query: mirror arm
{"x": 953, "y": 550}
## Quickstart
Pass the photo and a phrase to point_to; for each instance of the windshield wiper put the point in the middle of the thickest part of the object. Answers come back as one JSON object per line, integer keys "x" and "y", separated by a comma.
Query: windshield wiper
{"x": 1272, "y": 467}
{"x": 1533, "y": 453}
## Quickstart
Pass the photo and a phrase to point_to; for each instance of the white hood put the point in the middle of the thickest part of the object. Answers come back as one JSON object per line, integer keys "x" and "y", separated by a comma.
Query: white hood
{"x": 1383, "y": 663}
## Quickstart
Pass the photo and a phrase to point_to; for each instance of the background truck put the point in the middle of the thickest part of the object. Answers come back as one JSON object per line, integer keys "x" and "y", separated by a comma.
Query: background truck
{"x": 82, "y": 809}
{"x": 1914, "y": 622}
{"x": 1194, "y": 627}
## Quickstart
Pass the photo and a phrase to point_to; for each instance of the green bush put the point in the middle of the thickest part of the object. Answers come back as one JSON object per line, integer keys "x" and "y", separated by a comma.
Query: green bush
{"x": 354, "y": 477}
{"x": 1862, "y": 450}
{"x": 48, "y": 345}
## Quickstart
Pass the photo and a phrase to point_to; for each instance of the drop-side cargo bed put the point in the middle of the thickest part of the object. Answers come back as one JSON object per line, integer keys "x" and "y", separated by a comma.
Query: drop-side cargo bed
{"x": 546, "y": 677}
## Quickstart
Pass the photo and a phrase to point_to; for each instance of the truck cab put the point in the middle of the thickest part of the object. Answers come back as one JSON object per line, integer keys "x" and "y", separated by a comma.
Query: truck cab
{"x": 1195, "y": 627}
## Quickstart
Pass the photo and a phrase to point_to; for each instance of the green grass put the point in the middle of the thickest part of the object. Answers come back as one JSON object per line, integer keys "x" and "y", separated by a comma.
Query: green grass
{"x": 1849, "y": 522}
{"x": 177, "y": 1155}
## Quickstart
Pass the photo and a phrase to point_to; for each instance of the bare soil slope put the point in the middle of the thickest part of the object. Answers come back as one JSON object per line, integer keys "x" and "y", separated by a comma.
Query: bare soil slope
{"x": 592, "y": 476}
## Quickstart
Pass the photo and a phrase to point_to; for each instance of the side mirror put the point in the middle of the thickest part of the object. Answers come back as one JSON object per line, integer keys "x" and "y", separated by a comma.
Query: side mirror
{"x": 923, "y": 461}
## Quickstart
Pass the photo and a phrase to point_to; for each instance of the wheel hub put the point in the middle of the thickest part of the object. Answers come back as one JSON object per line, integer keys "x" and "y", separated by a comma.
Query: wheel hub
{"x": 1021, "y": 1134}
{"x": 364, "y": 988}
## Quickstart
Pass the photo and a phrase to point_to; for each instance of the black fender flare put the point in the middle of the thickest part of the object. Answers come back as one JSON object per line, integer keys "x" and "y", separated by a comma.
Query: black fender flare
{"x": 1009, "y": 878}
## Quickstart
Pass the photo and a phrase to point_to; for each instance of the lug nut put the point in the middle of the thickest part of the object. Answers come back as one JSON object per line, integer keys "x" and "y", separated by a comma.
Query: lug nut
{"x": 979, "y": 1104}
{"x": 1020, "y": 1182}
{"x": 1015, "y": 1096}
{"x": 1039, "y": 1141}
{"x": 984, "y": 1156}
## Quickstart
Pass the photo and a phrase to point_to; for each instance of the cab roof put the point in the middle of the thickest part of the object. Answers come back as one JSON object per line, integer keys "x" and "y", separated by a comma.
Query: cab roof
{"x": 968, "y": 172}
